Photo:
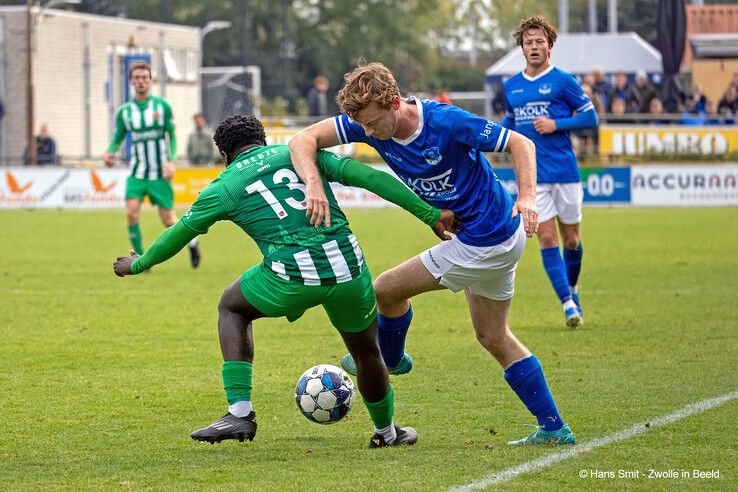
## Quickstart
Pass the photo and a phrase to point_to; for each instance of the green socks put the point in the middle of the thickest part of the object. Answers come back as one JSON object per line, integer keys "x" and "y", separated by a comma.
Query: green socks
{"x": 237, "y": 380}
{"x": 134, "y": 232}
{"x": 382, "y": 411}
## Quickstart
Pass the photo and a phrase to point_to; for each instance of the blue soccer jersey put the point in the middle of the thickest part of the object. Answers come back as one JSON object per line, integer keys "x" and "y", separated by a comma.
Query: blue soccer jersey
{"x": 553, "y": 94}
{"x": 442, "y": 162}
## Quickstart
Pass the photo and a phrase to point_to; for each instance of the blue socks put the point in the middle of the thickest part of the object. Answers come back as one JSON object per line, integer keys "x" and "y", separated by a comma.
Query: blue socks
{"x": 573, "y": 260}
{"x": 526, "y": 379}
{"x": 556, "y": 271}
{"x": 391, "y": 335}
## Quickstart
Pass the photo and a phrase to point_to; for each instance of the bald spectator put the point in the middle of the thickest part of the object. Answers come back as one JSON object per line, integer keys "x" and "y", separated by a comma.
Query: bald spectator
{"x": 601, "y": 86}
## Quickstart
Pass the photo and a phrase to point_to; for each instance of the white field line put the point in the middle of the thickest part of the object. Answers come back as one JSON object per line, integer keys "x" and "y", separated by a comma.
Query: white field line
{"x": 636, "y": 430}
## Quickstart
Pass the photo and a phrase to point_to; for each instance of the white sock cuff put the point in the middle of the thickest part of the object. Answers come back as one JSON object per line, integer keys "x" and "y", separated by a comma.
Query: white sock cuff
{"x": 516, "y": 361}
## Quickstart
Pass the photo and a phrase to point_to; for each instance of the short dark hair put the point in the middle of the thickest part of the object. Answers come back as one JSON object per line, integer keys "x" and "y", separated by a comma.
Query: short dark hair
{"x": 237, "y": 132}
{"x": 138, "y": 65}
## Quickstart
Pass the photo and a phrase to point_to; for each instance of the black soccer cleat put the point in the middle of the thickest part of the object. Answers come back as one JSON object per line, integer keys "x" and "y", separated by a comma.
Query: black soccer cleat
{"x": 406, "y": 436}
{"x": 228, "y": 427}
{"x": 194, "y": 256}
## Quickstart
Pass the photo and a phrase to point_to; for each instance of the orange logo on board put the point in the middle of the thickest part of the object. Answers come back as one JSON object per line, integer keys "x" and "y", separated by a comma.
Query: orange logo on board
{"x": 98, "y": 184}
{"x": 13, "y": 185}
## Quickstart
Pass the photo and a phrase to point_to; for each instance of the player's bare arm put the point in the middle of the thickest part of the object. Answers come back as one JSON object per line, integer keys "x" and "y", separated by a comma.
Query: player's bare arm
{"x": 303, "y": 148}
{"x": 523, "y": 153}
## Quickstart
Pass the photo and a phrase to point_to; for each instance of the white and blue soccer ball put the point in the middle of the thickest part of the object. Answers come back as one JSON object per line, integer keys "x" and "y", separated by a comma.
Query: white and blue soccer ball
{"x": 325, "y": 394}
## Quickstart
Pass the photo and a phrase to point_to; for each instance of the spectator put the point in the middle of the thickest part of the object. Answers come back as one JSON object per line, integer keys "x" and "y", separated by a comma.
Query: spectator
{"x": 711, "y": 115}
{"x": 644, "y": 90}
{"x": 200, "y": 144}
{"x": 588, "y": 141}
{"x": 601, "y": 87}
{"x": 498, "y": 102}
{"x": 695, "y": 104}
{"x": 656, "y": 111}
{"x": 317, "y": 97}
{"x": 45, "y": 149}
{"x": 624, "y": 91}
{"x": 617, "y": 112}
{"x": 728, "y": 104}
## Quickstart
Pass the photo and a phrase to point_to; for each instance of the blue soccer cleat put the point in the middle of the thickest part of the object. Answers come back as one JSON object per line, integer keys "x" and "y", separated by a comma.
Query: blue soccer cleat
{"x": 540, "y": 436}
{"x": 403, "y": 367}
{"x": 573, "y": 317}
{"x": 575, "y": 298}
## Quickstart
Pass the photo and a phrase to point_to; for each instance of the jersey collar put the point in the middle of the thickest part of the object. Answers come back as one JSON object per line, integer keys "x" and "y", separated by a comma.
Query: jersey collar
{"x": 531, "y": 79}
{"x": 415, "y": 134}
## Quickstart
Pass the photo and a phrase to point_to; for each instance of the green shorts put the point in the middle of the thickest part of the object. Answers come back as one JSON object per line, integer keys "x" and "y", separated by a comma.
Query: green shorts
{"x": 351, "y": 306}
{"x": 160, "y": 191}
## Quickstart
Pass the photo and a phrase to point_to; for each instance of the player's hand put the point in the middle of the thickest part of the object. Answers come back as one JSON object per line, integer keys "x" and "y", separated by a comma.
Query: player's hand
{"x": 169, "y": 169}
{"x": 448, "y": 223}
{"x": 544, "y": 125}
{"x": 122, "y": 265}
{"x": 527, "y": 208}
{"x": 318, "y": 208}
{"x": 108, "y": 159}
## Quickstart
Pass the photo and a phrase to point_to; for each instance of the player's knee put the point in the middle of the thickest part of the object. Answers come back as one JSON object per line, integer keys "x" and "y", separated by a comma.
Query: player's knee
{"x": 383, "y": 291}
{"x": 132, "y": 216}
{"x": 571, "y": 242}
{"x": 490, "y": 340}
{"x": 226, "y": 303}
{"x": 547, "y": 240}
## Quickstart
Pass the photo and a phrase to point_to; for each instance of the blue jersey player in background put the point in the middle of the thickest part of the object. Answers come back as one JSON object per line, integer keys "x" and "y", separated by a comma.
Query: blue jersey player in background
{"x": 436, "y": 150}
{"x": 545, "y": 104}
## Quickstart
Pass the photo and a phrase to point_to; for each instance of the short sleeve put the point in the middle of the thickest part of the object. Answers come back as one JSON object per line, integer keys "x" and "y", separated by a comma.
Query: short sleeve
{"x": 348, "y": 130}
{"x": 208, "y": 209}
{"x": 476, "y": 132}
{"x": 575, "y": 97}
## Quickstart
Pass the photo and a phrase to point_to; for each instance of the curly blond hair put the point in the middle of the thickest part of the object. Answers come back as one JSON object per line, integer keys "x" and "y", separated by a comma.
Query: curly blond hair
{"x": 535, "y": 22}
{"x": 365, "y": 84}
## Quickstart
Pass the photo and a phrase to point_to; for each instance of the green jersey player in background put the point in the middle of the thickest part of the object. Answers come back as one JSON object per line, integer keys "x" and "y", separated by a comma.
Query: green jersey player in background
{"x": 148, "y": 121}
{"x": 303, "y": 267}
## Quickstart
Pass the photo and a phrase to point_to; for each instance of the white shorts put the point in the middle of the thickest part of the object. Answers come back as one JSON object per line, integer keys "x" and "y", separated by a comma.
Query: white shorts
{"x": 560, "y": 199}
{"x": 488, "y": 271}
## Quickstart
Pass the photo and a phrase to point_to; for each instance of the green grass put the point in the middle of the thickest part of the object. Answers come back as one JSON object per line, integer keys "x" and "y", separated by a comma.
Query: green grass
{"x": 102, "y": 379}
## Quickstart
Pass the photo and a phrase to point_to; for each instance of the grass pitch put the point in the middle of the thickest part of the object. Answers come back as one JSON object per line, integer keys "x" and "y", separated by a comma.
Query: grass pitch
{"x": 102, "y": 379}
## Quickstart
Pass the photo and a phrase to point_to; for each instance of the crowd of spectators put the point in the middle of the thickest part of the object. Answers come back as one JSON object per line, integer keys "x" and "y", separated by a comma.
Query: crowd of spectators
{"x": 638, "y": 102}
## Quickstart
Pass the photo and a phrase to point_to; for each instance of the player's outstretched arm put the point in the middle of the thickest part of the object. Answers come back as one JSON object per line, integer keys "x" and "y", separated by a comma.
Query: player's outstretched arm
{"x": 354, "y": 173}
{"x": 168, "y": 244}
{"x": 303, "y": 149}
{"x": 523, "y": 153}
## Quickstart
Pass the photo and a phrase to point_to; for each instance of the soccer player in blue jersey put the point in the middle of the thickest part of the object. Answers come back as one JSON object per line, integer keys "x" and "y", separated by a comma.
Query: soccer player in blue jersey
{"x": 436, "y": 150}
{"x": 545, "y": 103}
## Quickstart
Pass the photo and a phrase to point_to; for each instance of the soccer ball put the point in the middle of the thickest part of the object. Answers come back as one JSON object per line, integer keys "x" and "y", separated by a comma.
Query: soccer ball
{"x": 325, "y": 394}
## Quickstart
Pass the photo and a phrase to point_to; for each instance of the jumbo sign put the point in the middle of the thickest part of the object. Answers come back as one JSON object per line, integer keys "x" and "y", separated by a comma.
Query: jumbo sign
{"x": 668, "y": 140}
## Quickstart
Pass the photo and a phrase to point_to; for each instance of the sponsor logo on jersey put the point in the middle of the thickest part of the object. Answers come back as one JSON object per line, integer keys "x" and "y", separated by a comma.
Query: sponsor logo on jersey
{"x": 527, "y": 113}
{"x": 137, "y": 136}
{"x": 432, "y": 156}
{"x": 433, "y": 186}
{"x": 544, "y": 88}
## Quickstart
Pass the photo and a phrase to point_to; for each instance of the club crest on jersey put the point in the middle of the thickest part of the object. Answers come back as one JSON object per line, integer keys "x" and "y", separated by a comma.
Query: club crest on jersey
{"x": 432, "y": 156}
{"x": 544, "y": 89}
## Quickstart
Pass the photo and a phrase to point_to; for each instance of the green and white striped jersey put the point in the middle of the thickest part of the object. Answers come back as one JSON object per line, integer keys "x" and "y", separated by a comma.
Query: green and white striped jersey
{"x": 151, "y": 128}
{"x": 261, "y": 193}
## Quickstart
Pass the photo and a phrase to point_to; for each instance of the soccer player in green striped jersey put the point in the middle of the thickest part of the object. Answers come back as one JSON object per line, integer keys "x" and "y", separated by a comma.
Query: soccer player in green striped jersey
{"x": 148, "y": 121}
{"x": 303, "y": 267}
